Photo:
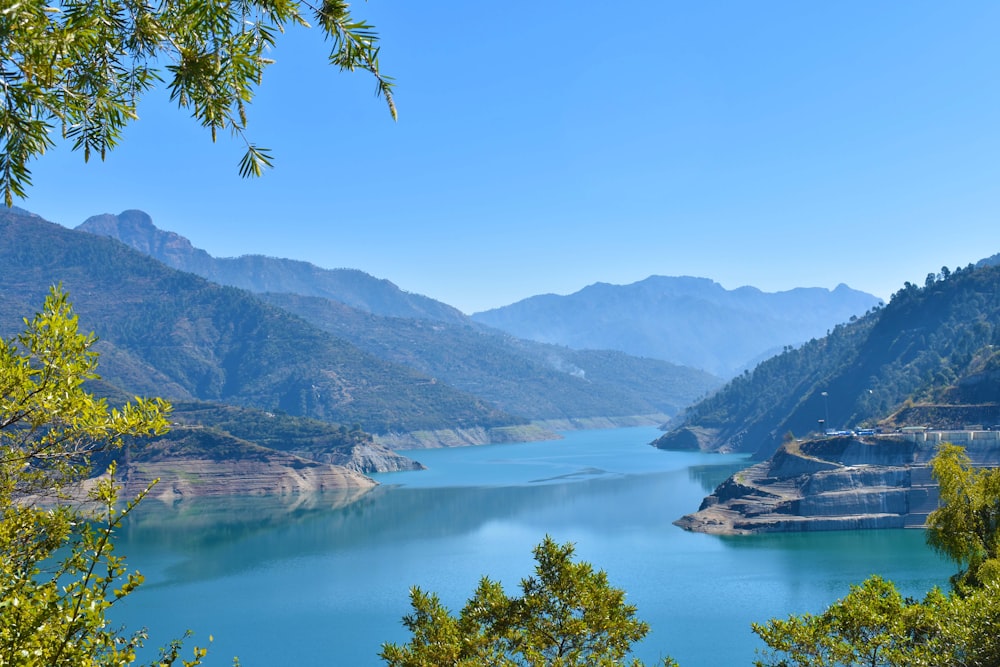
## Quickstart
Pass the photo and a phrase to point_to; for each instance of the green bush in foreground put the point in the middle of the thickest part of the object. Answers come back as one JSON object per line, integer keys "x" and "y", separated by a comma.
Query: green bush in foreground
{"x": 567, "y": 614}
{"x": 58, "y": 571}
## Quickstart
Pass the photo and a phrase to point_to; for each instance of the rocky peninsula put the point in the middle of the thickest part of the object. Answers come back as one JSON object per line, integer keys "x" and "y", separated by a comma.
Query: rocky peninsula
{"x": 837, "y": 483}
{"x": 194, "y": 462}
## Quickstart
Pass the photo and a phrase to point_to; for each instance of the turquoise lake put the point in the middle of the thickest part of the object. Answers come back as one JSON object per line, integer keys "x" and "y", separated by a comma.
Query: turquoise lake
{"x": 324, "y": 580}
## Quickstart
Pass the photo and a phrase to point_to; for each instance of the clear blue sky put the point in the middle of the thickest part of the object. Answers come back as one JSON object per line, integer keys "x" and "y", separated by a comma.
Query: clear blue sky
{"x": 544, "y": 146}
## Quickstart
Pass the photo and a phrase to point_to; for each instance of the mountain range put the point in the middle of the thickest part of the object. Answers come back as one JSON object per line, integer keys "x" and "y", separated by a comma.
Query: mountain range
{"x": 685, "y": 321}
{"x": 688, "y": 321}
{"x": 170, "y": 333}
{"x": 530, "y": 381}
{"x": 287, "y": 354}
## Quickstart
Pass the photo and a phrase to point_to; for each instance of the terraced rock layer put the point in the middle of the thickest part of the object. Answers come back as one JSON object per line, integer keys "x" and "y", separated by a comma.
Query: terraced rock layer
{"x": 831, "y": 484}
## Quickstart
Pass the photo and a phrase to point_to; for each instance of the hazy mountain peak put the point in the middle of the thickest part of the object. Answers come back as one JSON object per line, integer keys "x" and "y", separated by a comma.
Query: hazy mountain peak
{"x": 135, "y": 229}
{"x": 682, "y": 319}
{"x": 132, "y": 219}
{"x": 259, "y": 273}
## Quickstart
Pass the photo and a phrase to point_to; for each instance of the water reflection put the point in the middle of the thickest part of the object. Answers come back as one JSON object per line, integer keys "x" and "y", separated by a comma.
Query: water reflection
{"x": 903, "y": 548}
{"x": 213, "y": 537}
{"x": 711, "y": 476}
{"x": 332, "y": 573}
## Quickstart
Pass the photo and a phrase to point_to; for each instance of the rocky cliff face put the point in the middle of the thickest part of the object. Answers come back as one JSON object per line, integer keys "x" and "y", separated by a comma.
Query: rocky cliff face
{"x": 194, "y": 478}
{"x": 832, "y": 484}
{"x": 136, "y": 230}
{"x": 183, "y": 478}
{"x": 195, "y": 462}
{"x": 365, "y": 458}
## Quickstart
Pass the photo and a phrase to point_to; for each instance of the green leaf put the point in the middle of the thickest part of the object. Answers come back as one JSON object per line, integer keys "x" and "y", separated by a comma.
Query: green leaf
{"x": 254, "y": 161}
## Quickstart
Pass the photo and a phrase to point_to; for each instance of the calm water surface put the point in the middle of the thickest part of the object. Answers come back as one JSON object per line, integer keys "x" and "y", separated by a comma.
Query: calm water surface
{"x": 324, "y": 581}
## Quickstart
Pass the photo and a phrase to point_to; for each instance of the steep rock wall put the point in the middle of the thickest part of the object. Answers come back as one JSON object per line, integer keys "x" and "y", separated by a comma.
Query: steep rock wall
{"x": 830, "y": 484}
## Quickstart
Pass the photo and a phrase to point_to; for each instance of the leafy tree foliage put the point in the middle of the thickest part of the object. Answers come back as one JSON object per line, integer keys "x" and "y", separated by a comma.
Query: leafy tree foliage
{"x": 966, "y": 527}
{"x": 58, "y": 571}
{"x": 81, "y": 66}
{"x": 874, "y": 625}
{"x": 49, "y": 426}
{"x": 967, "y": 628}
{"x": 567, "y": 614}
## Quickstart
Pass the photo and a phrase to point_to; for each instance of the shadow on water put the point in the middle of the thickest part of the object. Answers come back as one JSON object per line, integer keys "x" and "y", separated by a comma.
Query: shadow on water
{"x": 864, "y": 544}
{"x": 202, "y": 522}
{"x": 848, "y": 557}
{"x": 711, "y": 476}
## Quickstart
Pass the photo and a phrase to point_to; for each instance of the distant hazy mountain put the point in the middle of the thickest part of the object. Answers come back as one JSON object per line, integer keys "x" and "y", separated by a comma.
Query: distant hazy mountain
{"x": 689, "y": 321}
{"x": 258, "y": 273}
{"x": 930, "y": 357}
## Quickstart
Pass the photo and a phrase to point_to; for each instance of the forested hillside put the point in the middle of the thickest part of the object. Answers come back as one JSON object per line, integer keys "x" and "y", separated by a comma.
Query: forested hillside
{"x": 172, "y": 334}
{"x": 927, "y": 355}
{"x": 221, "y": 432}
{"x": 524, "y": 378}
{"x": 536, "y": 381}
